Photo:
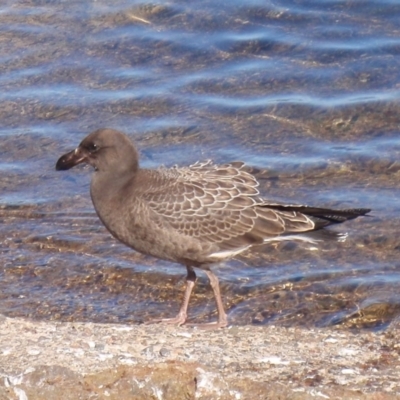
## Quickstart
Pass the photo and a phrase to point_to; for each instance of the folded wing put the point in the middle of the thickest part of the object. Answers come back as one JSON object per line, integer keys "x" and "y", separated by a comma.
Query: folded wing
{"x": 220, "y": 205}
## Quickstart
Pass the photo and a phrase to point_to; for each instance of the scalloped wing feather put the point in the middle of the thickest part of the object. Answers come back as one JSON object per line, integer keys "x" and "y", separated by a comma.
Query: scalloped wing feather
{"x": 219, "y": 204}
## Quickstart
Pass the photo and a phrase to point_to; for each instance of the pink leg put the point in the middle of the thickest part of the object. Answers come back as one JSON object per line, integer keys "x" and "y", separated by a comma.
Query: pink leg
{"x": 182, "y": 315}
{"x": 222, "y": 317}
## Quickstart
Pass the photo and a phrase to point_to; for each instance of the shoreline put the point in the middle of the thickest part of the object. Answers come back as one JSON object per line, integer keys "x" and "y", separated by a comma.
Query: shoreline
{"x": 88, "y": 360}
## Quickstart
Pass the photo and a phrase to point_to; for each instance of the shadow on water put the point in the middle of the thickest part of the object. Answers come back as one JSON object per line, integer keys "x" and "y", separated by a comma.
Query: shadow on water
{"x": 307, "y": 94}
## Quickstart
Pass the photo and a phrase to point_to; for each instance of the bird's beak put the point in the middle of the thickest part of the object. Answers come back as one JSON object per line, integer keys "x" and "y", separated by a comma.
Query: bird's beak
{"x": 71, "y": 159}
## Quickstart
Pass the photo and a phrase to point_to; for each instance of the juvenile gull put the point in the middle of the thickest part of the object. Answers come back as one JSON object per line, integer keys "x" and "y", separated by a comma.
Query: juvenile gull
{"x": 196, "y": 216}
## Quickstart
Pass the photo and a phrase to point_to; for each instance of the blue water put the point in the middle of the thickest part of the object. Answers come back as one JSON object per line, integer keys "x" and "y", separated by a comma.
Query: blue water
{"x": 307, "y": 92}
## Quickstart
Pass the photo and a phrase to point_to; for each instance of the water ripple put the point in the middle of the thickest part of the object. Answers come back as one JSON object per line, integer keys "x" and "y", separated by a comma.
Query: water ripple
{"x": 306, "y": 92}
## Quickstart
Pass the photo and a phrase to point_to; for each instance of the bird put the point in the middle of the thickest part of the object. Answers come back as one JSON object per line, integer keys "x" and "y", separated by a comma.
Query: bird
{"x": 196, "y": 216}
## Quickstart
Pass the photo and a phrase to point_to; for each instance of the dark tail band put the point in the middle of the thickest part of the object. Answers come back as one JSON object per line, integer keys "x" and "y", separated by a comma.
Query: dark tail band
{"x": 326, "y": 214}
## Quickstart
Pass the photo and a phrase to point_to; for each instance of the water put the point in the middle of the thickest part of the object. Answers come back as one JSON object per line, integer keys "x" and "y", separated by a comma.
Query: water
{"x": 307, "y": 92}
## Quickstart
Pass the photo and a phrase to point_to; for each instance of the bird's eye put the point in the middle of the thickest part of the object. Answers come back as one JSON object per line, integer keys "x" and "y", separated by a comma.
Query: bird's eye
{"x": 92, "y": 147}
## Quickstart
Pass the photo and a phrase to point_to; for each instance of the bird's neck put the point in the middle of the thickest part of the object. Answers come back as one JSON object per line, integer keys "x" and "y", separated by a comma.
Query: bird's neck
{"x": 106, "y": 189}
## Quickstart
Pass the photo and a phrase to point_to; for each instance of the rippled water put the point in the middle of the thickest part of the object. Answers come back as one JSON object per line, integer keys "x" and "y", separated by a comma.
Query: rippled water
{"x": 306, "y": 91}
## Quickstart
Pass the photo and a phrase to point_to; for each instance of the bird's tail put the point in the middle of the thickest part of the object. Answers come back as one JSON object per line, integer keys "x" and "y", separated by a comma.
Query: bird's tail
{"x": 323, "y": 216}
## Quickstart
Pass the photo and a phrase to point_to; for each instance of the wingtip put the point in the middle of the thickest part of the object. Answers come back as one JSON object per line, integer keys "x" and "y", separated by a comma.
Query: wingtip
{"x": 363, "y": 211}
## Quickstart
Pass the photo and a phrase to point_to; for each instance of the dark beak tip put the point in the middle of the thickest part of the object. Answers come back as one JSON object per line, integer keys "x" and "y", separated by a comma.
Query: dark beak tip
{"x": 61, "y": 164}
{"x": 69, "y": 160}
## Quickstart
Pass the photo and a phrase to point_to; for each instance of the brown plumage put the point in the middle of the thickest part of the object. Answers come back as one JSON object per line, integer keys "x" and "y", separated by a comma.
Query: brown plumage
{"x": 195, "y": 216}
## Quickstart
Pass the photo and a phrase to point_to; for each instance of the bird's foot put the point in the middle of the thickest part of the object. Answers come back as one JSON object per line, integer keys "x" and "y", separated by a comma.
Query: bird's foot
{"x": 178, "y": 320}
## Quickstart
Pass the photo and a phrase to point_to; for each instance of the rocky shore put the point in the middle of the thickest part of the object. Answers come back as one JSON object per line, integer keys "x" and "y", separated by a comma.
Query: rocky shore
{"x": 65, "y": 360}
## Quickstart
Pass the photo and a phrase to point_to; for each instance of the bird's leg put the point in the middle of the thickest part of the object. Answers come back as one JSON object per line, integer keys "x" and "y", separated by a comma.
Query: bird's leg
{"x": 190, "y": 282}
{"x": 182, "y": 315}
{"x": 222, "y": 317}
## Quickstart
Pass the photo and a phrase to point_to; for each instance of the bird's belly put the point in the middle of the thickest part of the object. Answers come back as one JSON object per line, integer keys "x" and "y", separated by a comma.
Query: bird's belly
{"x": 158, "y": 242}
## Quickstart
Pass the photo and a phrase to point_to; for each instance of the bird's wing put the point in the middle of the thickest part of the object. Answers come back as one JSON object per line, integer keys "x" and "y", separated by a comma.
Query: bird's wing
{"x": 219, "y": 205}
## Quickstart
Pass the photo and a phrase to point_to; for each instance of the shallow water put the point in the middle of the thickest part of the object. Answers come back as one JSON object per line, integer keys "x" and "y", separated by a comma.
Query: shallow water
{"x": 306, "y": 92}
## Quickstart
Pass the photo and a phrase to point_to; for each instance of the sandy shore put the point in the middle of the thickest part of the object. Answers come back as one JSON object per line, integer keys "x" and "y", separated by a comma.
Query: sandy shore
{"x": 58, "y": 360}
